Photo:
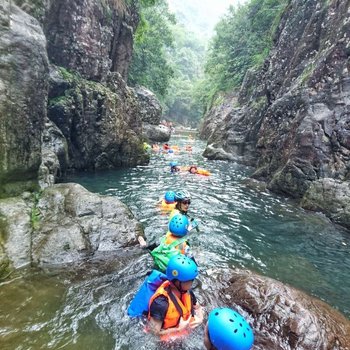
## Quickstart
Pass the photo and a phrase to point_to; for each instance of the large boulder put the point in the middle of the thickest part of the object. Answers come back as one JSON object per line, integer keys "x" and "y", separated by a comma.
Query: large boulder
{"x": 282, "y": 317}
{"x": 150, "y": 107}
{"x": 330, "y": 196}
{"x": 100, "y": 122}
{"x": 156, "y": 133}
{"x": 23, "y": 98}
{"x": 63, "y": 224}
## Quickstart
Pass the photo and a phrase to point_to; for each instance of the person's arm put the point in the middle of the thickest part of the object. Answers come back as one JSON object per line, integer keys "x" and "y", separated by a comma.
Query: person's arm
{"x": 156, "y": 326}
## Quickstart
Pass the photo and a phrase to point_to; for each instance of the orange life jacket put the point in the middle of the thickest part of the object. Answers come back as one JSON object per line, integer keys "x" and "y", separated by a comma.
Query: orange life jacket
{"x": 177, "y": 307}
{"x": 170, "y": 238}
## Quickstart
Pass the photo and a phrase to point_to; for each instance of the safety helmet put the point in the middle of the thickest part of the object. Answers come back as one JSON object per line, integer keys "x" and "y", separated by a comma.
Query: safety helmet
{"x": 169, "y": 197}
{"x": 173, "y": 164}
{"x": 181, "y": 268}
{"x": 178, "y": 225}
{"x": 228, "y": 330}
{"x": 182, "y": 195}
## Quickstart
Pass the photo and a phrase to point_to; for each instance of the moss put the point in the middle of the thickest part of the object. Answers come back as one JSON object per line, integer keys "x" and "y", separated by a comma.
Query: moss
{"x": 259, "y": 103}
{"x": 15, "y": 188}
{"x": 4, "y": 260}
{"x": 307, "y": 72}
{"x": 35, "y": 8}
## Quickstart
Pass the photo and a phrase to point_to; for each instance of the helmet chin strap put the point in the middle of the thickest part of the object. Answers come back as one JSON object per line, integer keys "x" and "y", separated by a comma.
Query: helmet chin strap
{"x": 180, "y": 287}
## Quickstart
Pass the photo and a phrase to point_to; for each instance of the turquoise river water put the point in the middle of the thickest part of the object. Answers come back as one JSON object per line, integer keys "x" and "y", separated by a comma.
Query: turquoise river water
{"x": 239, "y": 226}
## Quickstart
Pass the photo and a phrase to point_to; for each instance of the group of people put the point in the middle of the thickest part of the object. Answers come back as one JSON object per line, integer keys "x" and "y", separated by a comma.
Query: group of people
{"x": 173, "y": 309}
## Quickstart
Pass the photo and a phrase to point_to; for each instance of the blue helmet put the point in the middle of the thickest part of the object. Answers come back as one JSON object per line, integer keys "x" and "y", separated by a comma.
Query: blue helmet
{"x": 173, "y": 163}
{"x": 181, "y": 268}
{"x": 178, "y": 225}
{"x": 228, "y": 330}
{"x": 182, "y": 195}
{"x": 169, "y": 197}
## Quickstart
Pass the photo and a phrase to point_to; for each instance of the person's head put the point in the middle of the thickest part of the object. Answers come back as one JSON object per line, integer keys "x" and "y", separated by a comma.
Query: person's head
{"x": 193, "y": 169}
{"x": 173, "y": 167}
{"x": 183, "y": 200}
{"x": 178, "y": 225}
{"x": 181, "y": 271}
{"x": 169, "y": 197}
{"x": 227, "y": 330}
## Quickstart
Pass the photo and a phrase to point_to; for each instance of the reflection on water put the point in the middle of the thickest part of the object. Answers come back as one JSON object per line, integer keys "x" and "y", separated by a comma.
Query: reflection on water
{"x": 238, "y": 227}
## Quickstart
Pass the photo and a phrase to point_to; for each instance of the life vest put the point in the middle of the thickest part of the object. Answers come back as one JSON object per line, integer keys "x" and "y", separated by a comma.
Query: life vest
{"x": 203, "y": 172}
{"x": 167, "y": 206}
{"x": 170, "y": 238}
{"x": 178, "y": 307}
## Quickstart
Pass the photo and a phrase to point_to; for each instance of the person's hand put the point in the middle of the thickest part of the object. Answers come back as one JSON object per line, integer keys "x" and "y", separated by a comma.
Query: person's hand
{"x": 198, "y": 317}
{"x": 183, "y": 324}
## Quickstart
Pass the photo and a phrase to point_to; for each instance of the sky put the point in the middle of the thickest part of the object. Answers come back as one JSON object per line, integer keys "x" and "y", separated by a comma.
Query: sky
{"x": 201, "y": 15}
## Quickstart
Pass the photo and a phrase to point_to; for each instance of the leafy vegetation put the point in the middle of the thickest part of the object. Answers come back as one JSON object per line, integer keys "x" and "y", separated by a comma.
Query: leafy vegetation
{"x": 243, "y": 40}
{"x": 149, "y": 66}
{"x": 168, "y": 59}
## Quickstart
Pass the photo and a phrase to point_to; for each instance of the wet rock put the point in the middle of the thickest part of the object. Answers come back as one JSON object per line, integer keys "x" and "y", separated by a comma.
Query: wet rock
{"x": 330, "y": 196}
{"x": 76, "y": 223}
{"x": 156, "y": 133}
{"x": 15, "y": 232}
{"x": 283, "y": 318}
{"x": 150, "y": 108}
{"x": 54, "y": 155}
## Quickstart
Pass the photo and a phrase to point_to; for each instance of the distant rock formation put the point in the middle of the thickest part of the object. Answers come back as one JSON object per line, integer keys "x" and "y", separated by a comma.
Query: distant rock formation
{"x": 294, "y": 123}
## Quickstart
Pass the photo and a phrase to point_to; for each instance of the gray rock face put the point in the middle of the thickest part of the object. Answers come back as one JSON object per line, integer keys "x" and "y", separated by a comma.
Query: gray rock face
{"x": 101, "y": 122}
{"x": 156, "y": 133}
{"x": 65, "y": 224}
{"x": 295, "y": 125}
{"x": 150, "y": 108}
{"x": 15, "y": 231}
{"x": 54, "y": 155}
{"x": 283, "y": 318}
{"x": 23, "y": 98}
{"x": 91, "y": 37}
{"x": 330, "y": 196}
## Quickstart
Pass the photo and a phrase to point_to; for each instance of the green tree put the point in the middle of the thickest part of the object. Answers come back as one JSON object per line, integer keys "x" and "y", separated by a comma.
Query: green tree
{"x": 243, "y": 40}
{"x": 149, "y": 66}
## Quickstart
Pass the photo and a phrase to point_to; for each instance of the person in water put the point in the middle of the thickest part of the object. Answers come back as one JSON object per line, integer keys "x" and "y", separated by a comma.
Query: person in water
{"x": 173, "y": 243}
{"x": 226, "y": 329}
{"x": 193, "y": 169}
{"x": 173, "y": 309}
{"x": 183, "y": 201}
{"x": 174, "y": 168}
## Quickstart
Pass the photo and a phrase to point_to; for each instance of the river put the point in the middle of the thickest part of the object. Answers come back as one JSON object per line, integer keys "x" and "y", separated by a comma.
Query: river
{"x": 239, "y": 226}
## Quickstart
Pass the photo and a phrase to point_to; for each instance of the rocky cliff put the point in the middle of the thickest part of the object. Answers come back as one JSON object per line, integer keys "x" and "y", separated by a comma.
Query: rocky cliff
{"x": 293, "y": 119}
{"x": 73, "y": 64}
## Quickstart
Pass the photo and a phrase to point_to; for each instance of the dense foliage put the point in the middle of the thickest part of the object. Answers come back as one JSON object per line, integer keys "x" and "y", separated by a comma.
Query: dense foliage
{"x": 150, "y": 66}
{"x": 243, "y": 40}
